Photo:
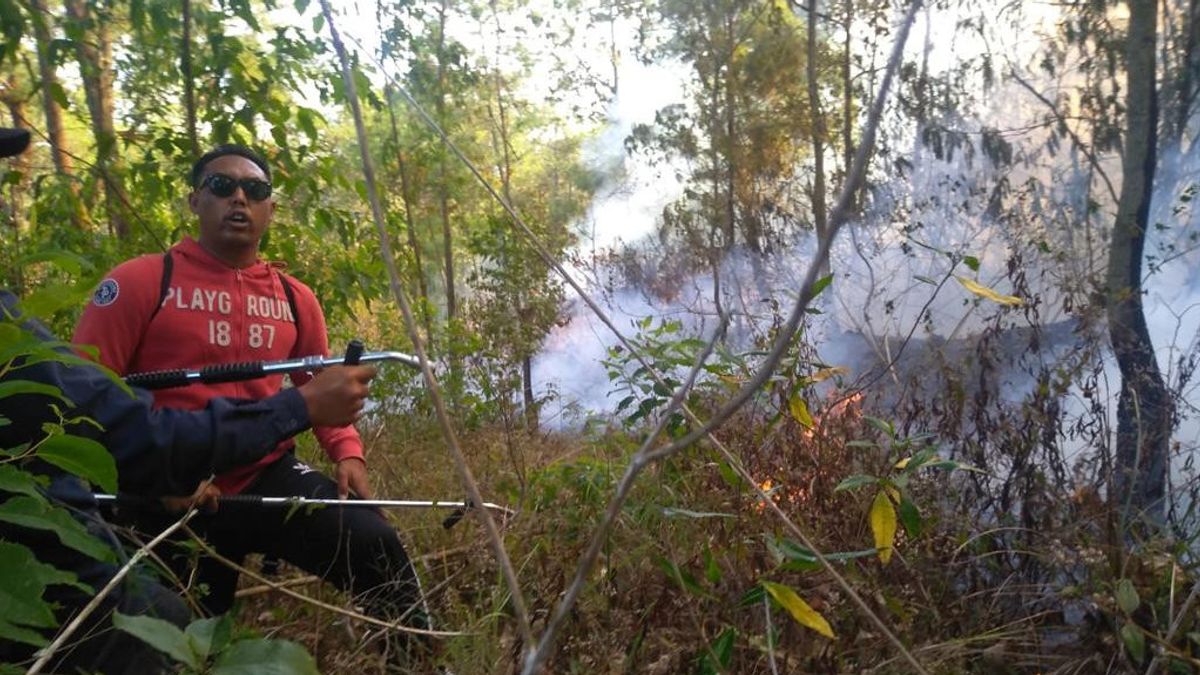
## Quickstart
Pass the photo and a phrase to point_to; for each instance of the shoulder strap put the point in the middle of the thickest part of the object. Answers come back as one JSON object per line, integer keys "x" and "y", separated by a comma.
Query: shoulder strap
{"x": 291, "y": 298}
{"x": 164, "y": 286}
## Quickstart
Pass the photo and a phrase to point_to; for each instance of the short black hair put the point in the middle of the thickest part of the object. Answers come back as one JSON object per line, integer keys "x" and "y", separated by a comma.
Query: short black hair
{"x": 222, "y": 151}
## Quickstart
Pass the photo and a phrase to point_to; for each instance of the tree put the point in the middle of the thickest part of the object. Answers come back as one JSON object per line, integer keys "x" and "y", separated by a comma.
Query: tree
{"x": 90, "y": 27}
{"x": 743, "y": 134}
{"x": 1144, "y": 412}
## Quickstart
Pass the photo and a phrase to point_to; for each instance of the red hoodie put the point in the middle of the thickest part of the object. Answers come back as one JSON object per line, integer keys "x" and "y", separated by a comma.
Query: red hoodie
{"x": 212, "y": 314}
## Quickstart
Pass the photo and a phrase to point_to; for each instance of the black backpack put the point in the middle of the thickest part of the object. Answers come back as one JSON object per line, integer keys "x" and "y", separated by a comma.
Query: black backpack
{"x": 165, "y": 286}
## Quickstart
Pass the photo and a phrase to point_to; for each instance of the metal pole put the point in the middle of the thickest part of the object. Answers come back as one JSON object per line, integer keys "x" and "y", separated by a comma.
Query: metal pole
{"x": 249, "y": 370}
{"x": 460, "y": 507}
{"x": 259, "y": 500}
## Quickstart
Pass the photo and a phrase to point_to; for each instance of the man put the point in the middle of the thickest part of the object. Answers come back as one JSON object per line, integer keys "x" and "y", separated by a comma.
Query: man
{"x": 157, "y": 452}
{"x": 212, "y": 300}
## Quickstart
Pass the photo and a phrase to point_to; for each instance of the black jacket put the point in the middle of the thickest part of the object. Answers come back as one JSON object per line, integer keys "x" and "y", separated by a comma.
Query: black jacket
{"x": 157, "y": 452}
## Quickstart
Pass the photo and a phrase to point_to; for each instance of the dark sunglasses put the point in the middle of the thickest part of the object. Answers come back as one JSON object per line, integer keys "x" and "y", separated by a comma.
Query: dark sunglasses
{"x": 224, "y": 186}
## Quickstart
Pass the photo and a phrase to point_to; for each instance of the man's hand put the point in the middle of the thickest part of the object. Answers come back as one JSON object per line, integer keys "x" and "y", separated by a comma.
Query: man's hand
{"x": 205, "y": 498}
{"x": 351, "y": 474}
{"x": 334, "y": 397}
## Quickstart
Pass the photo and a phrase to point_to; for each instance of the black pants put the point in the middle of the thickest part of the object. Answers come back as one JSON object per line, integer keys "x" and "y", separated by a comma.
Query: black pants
{"x": 96, "y": 647}
{"x": 355, "y": 549}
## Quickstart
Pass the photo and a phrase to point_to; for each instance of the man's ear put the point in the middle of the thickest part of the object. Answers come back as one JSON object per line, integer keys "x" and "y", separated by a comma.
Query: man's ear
{"x": 271, "y": 215}
{"x": 192, "y": 197}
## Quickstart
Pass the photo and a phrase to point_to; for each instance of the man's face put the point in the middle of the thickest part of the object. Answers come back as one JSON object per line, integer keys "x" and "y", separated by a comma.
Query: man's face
{"x": 233, "y": 224}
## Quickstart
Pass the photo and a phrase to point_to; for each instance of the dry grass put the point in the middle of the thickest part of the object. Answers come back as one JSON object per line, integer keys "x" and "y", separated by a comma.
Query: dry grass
{"x": 968, "y": 595}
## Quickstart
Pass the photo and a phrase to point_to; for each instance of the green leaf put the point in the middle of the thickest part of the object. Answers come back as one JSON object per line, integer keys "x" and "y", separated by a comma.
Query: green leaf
{"x": 53, "y": 297}
{"x": 39, "y": 515}
{"x": 307, "y": 123}
{"x": 802, "y": 559}
{"x": 21, "y": 604}
{"x": 16, "y": 481}
{"x": 856, "y": 481}
{"x": 59, "y": 95}
{"x": 729, "y": 475}
{"x": 71, "y": 263}
{"x": 209, "y": 636}
{"x": 712, "y": 571}
{"x": 910, "y": 517}
{"x": 1127, "y": 596}
{"x": 265, "y": 657}
{"x": 972, "y": 262}
{"x": 799, "y": 609}
{"x": 671, "y": 512}
{"x": 720, "y": 653}
{"x": 25, "y": 387}
{"x": 885, "y": 427}
{"x": 821, "y": 284}
{"x": 83, "y": 457}
{"x": 685, "y": 579}
{"x": 1134, "y": 641}
{"x": 883, "y": 525}
{"x": 162, "y": 635}
{"x": 752, "y": 597}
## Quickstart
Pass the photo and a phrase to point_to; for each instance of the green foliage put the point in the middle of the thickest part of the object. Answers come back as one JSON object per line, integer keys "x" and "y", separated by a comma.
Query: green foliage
{"x": 21, "y": 606}
{"x": 669, "y": 353}
{"x": 83, "y": 457}
{"x": 37, "y": 513}
{"x": 892, "y": 503}
{"x": 209, "y": 646}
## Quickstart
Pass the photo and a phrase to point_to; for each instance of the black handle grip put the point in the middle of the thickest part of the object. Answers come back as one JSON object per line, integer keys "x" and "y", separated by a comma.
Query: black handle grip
{"x": 241, "y": 499}
{"x": 158, "y": 379}
{"x": 354, "y": 352}
{"x": 457, "y": 515}
{"x": 232, "y": 372}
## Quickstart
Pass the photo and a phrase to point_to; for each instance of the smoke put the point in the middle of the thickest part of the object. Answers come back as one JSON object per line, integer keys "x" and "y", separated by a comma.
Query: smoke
{"x": 1004, "y": 201}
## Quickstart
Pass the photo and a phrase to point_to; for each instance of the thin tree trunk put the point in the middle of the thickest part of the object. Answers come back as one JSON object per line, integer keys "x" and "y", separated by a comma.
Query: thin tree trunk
{"x": 818, "y": 132}
{"x": 94, "y": 53}
{"x": 1190, "y": 62}
{"x": 455, "y": 387}
{"x": 55, "y": 132}
{"x": 414, "y": 244}
{"x": 716, "y": 234}
{"x": 730, "y": 143}
{"x": 443, "y": 189}
{"x": 1144, "y": 411}
{"x": 14, "y": 203}
{"x": 848, "y": 99}
{"x": 504, "y": 150}
{"x": 189, "y": 86}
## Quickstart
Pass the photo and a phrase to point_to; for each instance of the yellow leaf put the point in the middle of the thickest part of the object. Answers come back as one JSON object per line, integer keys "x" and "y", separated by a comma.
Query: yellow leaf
{"x": 826, "y": 373}
{"x": 903, "y": 463}
{"x": 799, "y": 609}
{"x": 985, "y": 292}
{"x": 800, "y": 411}
{"x": 883, "y": 525}
{"x": 893, "y": 493}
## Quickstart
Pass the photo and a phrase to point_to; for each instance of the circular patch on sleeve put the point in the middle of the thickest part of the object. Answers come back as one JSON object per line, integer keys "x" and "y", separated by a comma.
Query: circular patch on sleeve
{"x": 106, "y": 293}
